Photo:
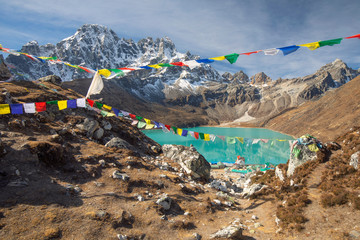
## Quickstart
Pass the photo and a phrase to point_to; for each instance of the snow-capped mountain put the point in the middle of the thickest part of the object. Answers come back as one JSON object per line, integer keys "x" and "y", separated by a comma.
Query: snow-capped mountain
{"x": 98, "y": 47}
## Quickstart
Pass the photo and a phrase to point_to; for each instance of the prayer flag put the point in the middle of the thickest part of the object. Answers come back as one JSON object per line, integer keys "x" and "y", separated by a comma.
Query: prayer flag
{"x": 124, "y": 113}
{"x": 230, "y": 140}
{"x": 139, "y": 118}
{"x": 232, "y": 57}
{"x": 184, "y": 133}
{"x": 107, "y": 107}
{"x": 207, "y": 137}
{"x": 313, "y": 147}
{"x": 62, "y": 104}
{"x": 330, "y": 42}
{"x": 4, "y": 109}
{"x": 148, "y": 121}
{"x": 40, "y": 106}
{"x": 312, "y": 46}
{"x": 99, "y": 105}
{"x": 157, "y": 125}
{"x": 133, "y": 116}
{"x": 145, "y": 67}
{"x": 105, "y": 72}
{"x": 165, "y": 65}
{"x": 71, "y": 103}
{"x": 255, "y": 141}
{"x": 179, "y": 131}
{"x": 191, "y": 133}
{"x": 289, "y": 49}
{"x": 205, "y": 60}
{"x": 181, "y": 64}
{"x": 196, "y": 135}
{"x": 174, "y": 130}
{"x": 52, "y": 102}
{"x": 218, "y": 58}
{"x": 212, "y": 137}
{"x": 240, "y": 139}
{"x": 201, "y": 135}
{"x": 141, "y": 124}
{"x": 91, "y": 102}
{"x": 116, "y": 111}
{"x": 167, "y": 127}
{"x": 96, "y": 84}
{"x": 130, "y": 69}
{"x": 80, "y": 102}
{"x": 264, "y": 140}
{"x": 271, "y": 51}
{"x": 104, "y": 113}
{"x": 29, "y": 107}
{"x": 221, "y": 137}
{"x": 249, "y": 53}
{"x": 16, "y": 108}
{"x": 149, "y": 126}
{"x": 134, "y": 122}
{"x": 192, "y": 64}
{"x": 155, "y": 66}
{"x": 355, "y": 36}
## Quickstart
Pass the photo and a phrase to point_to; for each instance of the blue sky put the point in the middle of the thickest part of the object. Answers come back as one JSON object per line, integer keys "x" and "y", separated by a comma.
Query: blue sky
{"x": 208, "y": 28}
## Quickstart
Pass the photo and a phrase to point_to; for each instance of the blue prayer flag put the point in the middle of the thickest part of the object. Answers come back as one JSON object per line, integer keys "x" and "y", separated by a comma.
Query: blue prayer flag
{"x": 71, "y": 103}
{"x": 184, "y": 133}
{"x": 289, "y": 49}
{"x": 116, "y": 111}
{"x": 205, "y": 60}
{"x": 16, "y": 108}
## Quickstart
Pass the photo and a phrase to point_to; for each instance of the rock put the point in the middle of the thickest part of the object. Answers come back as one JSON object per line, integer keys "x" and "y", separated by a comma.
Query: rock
{"x": 354, "y": 160}
{"x": 230, "y": 232}
{"x": 164, "y": 202}
{"x": 164, "y": 217}
{"x": 355, "y": 234}
{"x": 5, "y": 74}
{"x": 190, "y": 160}
{"x": 99, "y": 133}
{"x": 118, "y": 175}
{"x": 254, "y": 217}
{"x": 52, "y": 79}
{"x": 119, "y": 143}
{"x": 250, "y": 190}
{"x": 279, "y": 173}
{"x": 89, "y": 126}
{"x": 102, "y": 162}
{"x": 302, "y": 152}
{"x": 257, "y": 225}
{"x": 194, "y": 236}
{"x": 106, "y": 125}
{"x": 140, "y": 198}
{"x": 122, "y": 237}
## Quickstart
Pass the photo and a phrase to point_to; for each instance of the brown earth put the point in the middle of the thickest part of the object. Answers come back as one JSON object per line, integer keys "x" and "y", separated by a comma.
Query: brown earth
{"x": 40, "y": 171}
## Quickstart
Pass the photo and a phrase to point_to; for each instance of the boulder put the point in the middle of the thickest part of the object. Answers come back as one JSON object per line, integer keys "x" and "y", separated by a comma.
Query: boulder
{"x": 303, "y": 150}
{"x": 89, "y": 126}
{"x": 52, "y": 79}
{"x": 279, "y": 173}
{"x": 250, "y": 190}
{"x": 190, "y": 160}
{"x": 98, "y": 134}
{"x": 354, "y": 160}
{"x": 165, "y": 202}
{"x": 119, "y": 143}
{"x": 230, "y": 232}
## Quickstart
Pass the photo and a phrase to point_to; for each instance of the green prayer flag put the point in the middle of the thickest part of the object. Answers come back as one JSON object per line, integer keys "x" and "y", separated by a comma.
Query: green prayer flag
{"x": 104, "y": 113}
{"x": 117, "y": 71}
{"x": 230, "y": 140}
{"x": 99, "y": 105}
{"x": 202, "y": 136}
{"x": 139, "y": 118}
{"x": 141, "y": 124}
{"x": 52, "y": 102}
{"x": 296, "y": 152}
{"x": 174, "y": 129}
{"x": 165, "y": 65}
{"x": 330, "y": 42}
{"x": 232, "y": 57}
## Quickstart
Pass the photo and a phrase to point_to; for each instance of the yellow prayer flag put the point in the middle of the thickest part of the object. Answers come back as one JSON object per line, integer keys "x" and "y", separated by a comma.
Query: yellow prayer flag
{"x": 313, "y": 147}
{"x": 179, "y": 131}
{"x": 240, "y": 139}
{"x": 107, "y": 107}
{"x": 4, "y": 109}
{"x": 206, "y": 137}
{"x": 62, "y": 104}
{"x": 105, "y": 72}
{"x": 110, "y": 115}
{"x": 149, "y": 126}
{"x": 218, "y": 58}
{"x": 311, "y": 46}
{"x": 154, "y": 66}
{"x": 148, "y": 121}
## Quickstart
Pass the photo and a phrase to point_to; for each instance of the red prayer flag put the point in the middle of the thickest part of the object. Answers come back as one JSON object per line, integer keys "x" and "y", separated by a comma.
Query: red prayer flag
{"x": 355, "y": 36}
{"x": 196, "y": 135}
{"x": 249, "y": 53}
{"x": 168, "y": 127}
{"x": 85, "y": 69}
{"x": 181, "y": 64}
{"x": 132, "y": 116}
{"x": 131, "y": 69}
{"x": 40, "y": 106}
{"x": 91, "y": 102}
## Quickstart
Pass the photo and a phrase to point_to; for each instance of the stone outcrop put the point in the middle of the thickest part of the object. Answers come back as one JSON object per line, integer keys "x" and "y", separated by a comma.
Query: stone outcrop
{"x": 189, "y": 159}
{"x": 51, "y": 78}
{"x": 354, "y": 160}
{"x": 5, "y": 74}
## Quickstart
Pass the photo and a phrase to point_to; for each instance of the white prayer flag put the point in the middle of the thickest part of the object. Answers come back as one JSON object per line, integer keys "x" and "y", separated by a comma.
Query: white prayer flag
{"x": 29, "y": 107}
{"x": 96, "y": 85}
{"x": 272, "y": 51}
{"x": 192, "y": 64}
{"x": 80, "y": 102}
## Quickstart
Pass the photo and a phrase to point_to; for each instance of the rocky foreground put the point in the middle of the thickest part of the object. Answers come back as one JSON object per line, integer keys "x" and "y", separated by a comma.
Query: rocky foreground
{"x": 74, "y": 174}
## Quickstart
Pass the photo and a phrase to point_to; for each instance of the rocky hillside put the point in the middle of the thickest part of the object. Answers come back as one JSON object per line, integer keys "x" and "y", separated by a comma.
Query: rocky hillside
{"x": 333, "y": 114}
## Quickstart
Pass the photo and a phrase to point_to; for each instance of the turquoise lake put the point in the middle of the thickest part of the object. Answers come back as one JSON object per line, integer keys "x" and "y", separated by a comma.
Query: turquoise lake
{"x": 274, "y": 151}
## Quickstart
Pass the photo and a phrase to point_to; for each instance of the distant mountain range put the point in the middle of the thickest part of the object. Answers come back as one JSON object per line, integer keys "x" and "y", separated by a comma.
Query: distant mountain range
{"x": 220, "y": 98}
